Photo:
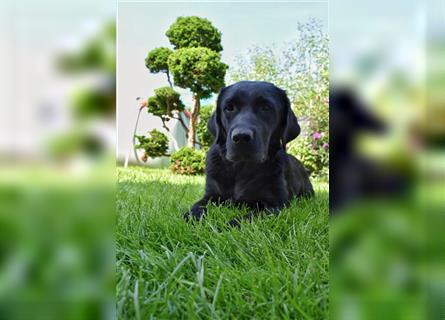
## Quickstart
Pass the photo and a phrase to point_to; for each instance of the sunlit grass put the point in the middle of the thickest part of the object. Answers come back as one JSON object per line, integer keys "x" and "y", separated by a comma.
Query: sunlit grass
{"x": 274, "y": 268}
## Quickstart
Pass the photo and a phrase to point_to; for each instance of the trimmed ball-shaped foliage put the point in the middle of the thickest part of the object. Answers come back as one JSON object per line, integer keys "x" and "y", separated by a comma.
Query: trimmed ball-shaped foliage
{"x": 188, "y": 161}
{"x": 198, "y": 69}
{"x": 93, "y": 102}
{"x": 154, "y": 145}
{"x": 192, "y": 32}
{"x": 157, "y": 60}
{"x": 164, "y": 102}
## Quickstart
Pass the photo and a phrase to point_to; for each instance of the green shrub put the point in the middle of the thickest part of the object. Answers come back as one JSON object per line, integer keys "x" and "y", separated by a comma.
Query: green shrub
{"x": 193, "y": 32}
{"x": 313, "y": 151}
{"x": 165, "y": 101}
{"x": 89, "y": 103}
{"x": 188, "y": 161}
{"x": 154, "y": 145}
{"x": 156, "y": 60}
{"x": 205, "y": 138}
{"x": 312, "y": 147}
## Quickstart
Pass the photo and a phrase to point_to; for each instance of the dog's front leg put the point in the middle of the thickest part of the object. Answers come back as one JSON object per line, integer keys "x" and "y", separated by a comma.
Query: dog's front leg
{"x": 267, "y": 211}
{"x": 199, "y": 209}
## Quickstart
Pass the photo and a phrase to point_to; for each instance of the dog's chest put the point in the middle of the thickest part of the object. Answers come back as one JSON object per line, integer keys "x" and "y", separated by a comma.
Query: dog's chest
{"x": 247, "y": 183}
{"x": 243, "y": 185}
{"x": 256, "y": 188}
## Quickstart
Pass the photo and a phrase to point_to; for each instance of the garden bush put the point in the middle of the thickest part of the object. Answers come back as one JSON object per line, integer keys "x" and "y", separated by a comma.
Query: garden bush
{"x": 154, "y": 145}
{"x": 313, "y": 152}
{"x": 188, "y": 161}
{"x": 164, "y": 102}
{"x": 312, "y": 146}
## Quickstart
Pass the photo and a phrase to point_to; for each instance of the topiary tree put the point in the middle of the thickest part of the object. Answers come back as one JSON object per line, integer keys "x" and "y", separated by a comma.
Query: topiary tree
{"x": 166, "y": 104}
{"x": 154, "y": 145}
{"x": 157, "y": 61}
{"x": 95, "y": 56}
{"x": 88, "y": 103}
{"x": 195, "y": 64}
{"x": 193, "y": 32}
{"x": 201, "y": 71}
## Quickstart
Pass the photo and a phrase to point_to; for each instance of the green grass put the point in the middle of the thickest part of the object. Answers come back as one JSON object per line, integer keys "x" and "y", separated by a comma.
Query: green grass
{"x": 273, "y": 268}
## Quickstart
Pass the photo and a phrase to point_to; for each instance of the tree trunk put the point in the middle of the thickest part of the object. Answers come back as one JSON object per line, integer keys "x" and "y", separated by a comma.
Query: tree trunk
{"x": 191, "y": 141}
{"x": 181, "y": 121}
{"x": 168, "y": 79}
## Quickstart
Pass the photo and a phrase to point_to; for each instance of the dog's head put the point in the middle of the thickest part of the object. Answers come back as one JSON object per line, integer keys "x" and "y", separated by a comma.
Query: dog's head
{"x": 349, "y": 117}
{"x": 252, "y": 118}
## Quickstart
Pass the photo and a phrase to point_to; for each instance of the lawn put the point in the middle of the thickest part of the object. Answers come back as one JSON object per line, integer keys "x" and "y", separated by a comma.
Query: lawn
{"x": 274, "y": 268}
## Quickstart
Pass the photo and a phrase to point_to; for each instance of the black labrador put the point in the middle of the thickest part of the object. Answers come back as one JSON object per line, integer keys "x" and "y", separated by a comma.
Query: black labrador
{"x": 353, "y": 176}
{"x": 247, "y": 163}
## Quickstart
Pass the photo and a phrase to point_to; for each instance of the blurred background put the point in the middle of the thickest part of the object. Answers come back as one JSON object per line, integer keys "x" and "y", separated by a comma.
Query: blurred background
{"x": 57, "y": 138}
{"x": 387, "y": 159}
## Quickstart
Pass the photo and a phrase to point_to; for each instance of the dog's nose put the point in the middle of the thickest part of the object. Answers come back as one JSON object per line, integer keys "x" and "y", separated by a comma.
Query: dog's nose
{"x": 242, "y": 135}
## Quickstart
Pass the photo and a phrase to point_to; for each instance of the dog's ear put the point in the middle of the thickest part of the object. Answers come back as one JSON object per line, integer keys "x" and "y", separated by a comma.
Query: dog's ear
{"x": 215, "y": 125}
{"x": 212, "y": 125}
{"x": 347, "y": 107}
{"x": 291, "y": 127}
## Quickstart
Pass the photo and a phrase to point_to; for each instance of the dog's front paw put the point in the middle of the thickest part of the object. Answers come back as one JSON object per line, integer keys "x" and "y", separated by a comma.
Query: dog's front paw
{"x": 194, "y": 214}
{"x": 234, "y": 223}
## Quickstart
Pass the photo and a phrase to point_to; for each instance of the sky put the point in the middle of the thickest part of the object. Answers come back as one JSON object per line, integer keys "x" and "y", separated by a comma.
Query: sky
{"x": 142, "y": 26}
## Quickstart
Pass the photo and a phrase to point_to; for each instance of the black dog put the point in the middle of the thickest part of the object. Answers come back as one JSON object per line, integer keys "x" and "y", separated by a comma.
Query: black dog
{"x": 354, "y": 177}
{"x": 247, "y": 163}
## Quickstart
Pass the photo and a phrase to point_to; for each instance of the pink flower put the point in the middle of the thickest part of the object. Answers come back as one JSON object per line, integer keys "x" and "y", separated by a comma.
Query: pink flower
{"x": 325, "y": 145}
{"x": 316, "y": 136}
{"x": 142, "y": 104}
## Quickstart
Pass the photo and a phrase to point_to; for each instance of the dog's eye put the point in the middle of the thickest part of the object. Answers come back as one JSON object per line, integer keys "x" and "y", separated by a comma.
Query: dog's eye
{"x": 265, "y": 107}
{"x": 229, "y": 107}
